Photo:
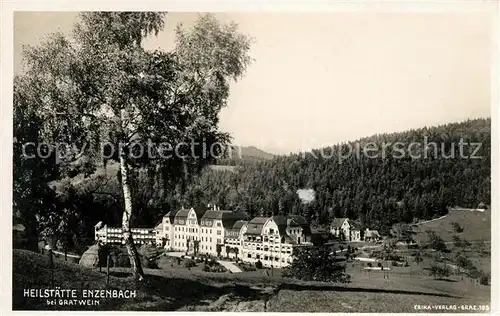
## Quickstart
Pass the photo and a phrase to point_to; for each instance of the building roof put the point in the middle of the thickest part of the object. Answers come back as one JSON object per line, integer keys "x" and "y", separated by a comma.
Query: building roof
{"x": 281, "y": 221}
{"x": 256, "y": 225}
{"x": 337, "y": 222}
{"x": 371, "y": 233}
{"x": 355, "y": 225}
{"x": 300, "y": 220}
{"x": 171, "y": 215}
{"x": 183, "y": 213}
{"x": 239, "y": 224}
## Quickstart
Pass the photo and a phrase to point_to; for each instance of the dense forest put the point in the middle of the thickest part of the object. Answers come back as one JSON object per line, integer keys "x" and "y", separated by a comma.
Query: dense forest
{"x": 377, "y": 191}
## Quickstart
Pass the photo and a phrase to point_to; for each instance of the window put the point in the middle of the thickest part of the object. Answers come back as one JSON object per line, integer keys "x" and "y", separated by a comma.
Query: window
{"x": 271, "y": 231}
{"x": 276, "y": 259}
{"x": 249, "y": 256}
{"x": 218, "y": 224}
{"x": 266, "y": 257}
{"x": 210, "y": 241}
{"x": 257, "y": 256}
{"x": 210, "y": 230}
{"x": 218, "y": 241}
{"x": 218, "y": 232}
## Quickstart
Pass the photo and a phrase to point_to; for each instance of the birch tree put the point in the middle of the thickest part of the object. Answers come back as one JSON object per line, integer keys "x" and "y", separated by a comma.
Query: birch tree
{"x": 102, "y": 96}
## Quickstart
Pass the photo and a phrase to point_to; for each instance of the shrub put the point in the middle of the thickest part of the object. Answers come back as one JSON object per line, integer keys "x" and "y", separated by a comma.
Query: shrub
{"x": 436, "y": 242}
{"x": 315, "y": 263}
{"x": 439, "y": 271}
{"x": 150, "y": 264}
{"x": 122, "y": 260}
{"x": 456, "y": 227}
{"x": 369, "y": 264}
{"x": 206, "y": 268}
{"x": 189, "y": 263}
{"x": 258, "y": 264}
{"x": 484, "y": 279}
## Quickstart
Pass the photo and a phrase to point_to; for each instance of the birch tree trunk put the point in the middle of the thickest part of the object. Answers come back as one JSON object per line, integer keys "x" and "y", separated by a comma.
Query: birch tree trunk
{"x": 127, "y": 215}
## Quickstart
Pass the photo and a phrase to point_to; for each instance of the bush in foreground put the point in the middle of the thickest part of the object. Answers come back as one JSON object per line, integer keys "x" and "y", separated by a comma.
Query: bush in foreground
{"x": 315, "y": 264}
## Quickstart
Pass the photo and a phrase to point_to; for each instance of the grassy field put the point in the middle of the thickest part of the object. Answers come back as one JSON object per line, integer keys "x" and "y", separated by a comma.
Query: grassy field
{"x": 476, "y": 225}
{"x": 194, "y": 290}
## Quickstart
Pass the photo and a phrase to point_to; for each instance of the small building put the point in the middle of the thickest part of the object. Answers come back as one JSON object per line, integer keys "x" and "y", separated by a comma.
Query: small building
{"x": 355, "y": 231}
{"x": 340, "y": 228}
{"x": 372, "y": 235}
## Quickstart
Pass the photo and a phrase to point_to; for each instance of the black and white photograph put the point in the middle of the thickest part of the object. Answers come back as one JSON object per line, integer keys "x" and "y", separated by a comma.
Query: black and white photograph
{"x": 250, "y": 161}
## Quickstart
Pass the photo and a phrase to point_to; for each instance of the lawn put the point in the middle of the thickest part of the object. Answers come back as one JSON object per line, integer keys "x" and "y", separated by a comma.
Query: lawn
{"x": 476, "y": 226}
{"x": 176, "y": 288}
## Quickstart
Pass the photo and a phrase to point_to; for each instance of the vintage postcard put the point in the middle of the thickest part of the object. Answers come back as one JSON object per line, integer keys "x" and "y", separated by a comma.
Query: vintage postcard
{"x": 335, "y": 161}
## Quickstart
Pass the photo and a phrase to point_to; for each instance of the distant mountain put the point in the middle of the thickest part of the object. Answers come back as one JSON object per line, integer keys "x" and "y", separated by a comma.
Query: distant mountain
{"x": 243, "y": 154}
{"x": 252, "y": 151}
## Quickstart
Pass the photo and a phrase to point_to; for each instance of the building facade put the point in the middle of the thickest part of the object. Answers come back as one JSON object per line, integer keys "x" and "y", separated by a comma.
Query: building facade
{"x": 114, "y": 235}
{"x": 270, "y": 240}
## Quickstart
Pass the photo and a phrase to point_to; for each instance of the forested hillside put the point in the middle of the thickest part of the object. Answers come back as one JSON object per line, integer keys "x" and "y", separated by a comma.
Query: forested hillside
{"x": 377, "y": 191}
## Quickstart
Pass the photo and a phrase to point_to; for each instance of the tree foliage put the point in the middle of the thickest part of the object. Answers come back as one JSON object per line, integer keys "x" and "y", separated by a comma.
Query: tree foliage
{"x": 435, "y": 241}
{"x": 315, "y": 264}
{"x": 100, "y": 92}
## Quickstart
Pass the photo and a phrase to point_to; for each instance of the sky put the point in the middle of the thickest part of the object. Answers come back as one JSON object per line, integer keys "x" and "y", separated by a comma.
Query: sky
{"x": 318, "y": 79}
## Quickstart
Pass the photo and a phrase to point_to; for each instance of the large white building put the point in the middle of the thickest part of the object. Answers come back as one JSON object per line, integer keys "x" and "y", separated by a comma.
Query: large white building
{"x": 184, "y": 229}
{"x": 270, "y": 240}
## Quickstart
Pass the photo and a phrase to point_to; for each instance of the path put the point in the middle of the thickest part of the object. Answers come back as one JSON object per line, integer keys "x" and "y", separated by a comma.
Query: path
{"x": 431, "y": 220}
{"x": 175, "y": 254}
{"x": 226, "y": 264}
{"x": 230, "y": 266}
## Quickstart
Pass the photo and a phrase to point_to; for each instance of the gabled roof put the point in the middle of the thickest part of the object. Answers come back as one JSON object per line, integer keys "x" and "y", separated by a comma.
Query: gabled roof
{"x": 214, "y": 214}
{"x": 256, "y": 225}
{"x": 372, "y": 233}
{"x": 355, "y": 225}
{"x": 282, "y": 223}
{"x": 337, "y": 222}
{"x": 171, "y": 215}
{"x": 159, "y": 225}
{"x": 239, "y": 224}
{"x": 183, "y": 213}
{"x": 300, "y": 220}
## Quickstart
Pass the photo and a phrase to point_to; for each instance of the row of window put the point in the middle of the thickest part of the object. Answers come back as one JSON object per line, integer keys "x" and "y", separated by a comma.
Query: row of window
{"x": 268, "y": 258}
{"x": 195, "y": 230}
{"x": 182, "y": 245}
{"x": 134, "y": 230}
{"x": 134, "y": 236}
{"x": 283, "y": 250}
